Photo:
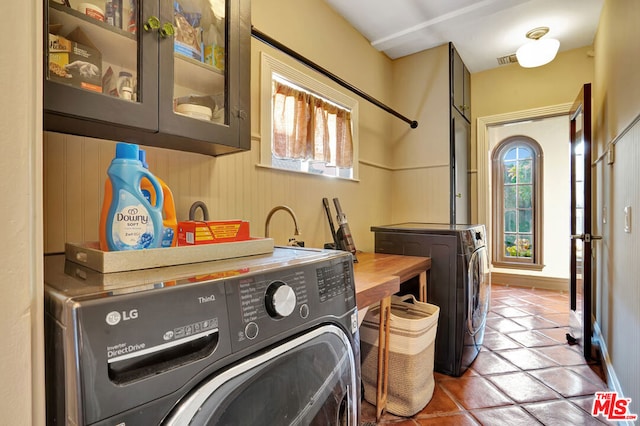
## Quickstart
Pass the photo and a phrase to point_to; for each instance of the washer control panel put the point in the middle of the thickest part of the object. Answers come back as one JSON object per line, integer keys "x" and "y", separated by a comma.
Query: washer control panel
{"x": 262, "y": 306}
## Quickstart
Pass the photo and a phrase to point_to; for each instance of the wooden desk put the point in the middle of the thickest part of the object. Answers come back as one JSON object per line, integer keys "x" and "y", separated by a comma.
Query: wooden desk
{"x": 377, "y": 277}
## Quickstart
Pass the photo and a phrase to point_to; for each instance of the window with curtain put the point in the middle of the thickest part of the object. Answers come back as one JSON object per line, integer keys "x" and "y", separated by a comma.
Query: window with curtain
{"x": 517, "y": 203}
{"x": 306, "y": 126}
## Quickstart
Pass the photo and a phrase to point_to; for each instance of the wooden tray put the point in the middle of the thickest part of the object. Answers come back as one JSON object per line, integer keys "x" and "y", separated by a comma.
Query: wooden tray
{"x": 90, "y": 255}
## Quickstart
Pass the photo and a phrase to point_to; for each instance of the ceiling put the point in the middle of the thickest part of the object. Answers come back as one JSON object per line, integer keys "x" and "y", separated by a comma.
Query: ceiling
{"x": 481, "y": 30}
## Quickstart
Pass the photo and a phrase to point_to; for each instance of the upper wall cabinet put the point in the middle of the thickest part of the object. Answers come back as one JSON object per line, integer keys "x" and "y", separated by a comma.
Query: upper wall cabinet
{"x": 460, "y": 85}
{"x": 172, "y": 74}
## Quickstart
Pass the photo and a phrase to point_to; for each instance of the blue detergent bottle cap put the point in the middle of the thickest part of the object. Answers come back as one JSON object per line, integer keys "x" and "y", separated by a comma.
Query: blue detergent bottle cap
{"x": 127, "y": 151}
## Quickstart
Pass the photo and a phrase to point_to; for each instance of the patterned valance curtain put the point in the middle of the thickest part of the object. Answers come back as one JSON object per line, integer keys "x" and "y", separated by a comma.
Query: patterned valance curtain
{"x": 301, "y": 127}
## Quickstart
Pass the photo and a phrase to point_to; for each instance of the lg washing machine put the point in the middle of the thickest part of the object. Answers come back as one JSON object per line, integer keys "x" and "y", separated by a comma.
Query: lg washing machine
{"x": 268, "y": 339}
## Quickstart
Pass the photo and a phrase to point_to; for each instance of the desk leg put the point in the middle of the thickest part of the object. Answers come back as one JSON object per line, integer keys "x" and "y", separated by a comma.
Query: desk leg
{"x": 423, "y": 286}
{"x": 383, "y": 356}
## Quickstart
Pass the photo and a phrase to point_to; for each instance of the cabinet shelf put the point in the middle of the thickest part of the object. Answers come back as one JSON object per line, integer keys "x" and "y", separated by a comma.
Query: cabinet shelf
{"x": 103, "y": 36}
{"x": 190, "y": 73}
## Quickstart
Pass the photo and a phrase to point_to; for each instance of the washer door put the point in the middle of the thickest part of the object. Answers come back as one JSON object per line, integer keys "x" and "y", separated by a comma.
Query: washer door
{"x": 310, "y": 380}
{"x": 479, "y": 291}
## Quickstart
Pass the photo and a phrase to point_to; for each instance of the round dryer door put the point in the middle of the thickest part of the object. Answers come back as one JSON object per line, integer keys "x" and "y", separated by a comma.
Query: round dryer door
{"x": 309, "y": 380}
{"x": 479, "y": 288}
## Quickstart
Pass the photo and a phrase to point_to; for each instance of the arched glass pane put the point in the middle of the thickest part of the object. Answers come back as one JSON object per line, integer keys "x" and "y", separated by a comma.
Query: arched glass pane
{"x": 509, "y": 197}
{"x": 510, "y": 248}
{"x": 525, "y": 171}
{"x": 524, "y": 152}
{"x": 524, "y": 245}
{"x": 512, "y": 154}
{"x": 525, "y": 221}
{"x": 510, "y": 221}
{"x": 524, "y": 196}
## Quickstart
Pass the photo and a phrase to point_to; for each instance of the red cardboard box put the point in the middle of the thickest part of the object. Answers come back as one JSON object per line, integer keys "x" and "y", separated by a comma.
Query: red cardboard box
{"x": 192, "y": 232}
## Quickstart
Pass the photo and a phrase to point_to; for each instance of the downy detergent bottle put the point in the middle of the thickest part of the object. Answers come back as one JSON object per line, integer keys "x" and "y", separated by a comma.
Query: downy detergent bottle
{"x": 169, "y": 217}
{"x": 128, "y": 221}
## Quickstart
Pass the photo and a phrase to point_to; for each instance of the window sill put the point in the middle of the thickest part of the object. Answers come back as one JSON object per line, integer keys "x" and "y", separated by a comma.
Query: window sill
{"x": 266, "y": 166}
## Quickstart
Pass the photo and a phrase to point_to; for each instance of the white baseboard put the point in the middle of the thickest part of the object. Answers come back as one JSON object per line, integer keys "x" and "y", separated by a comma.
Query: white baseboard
{"x": 612, "y": 379}
{"x": 530, "y": 281}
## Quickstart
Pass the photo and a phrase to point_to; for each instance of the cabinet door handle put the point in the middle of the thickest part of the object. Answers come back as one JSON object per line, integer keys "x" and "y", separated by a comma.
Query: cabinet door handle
{"x": 167, "y": 30}
{"x": 153, "y": 23}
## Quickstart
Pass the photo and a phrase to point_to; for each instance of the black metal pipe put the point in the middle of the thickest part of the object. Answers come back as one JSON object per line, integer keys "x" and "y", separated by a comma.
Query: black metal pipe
{"x": 281, "y": 47}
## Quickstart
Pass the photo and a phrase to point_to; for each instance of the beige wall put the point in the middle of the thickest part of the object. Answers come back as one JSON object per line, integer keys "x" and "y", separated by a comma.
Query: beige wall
{"x": 21, "y": 313}
{"x": 420, "y": 156}
{"x": 616, "y": 111}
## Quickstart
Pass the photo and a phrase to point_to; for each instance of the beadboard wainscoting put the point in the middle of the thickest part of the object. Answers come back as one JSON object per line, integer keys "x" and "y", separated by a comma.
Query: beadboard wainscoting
{"x": 232, "y": 186}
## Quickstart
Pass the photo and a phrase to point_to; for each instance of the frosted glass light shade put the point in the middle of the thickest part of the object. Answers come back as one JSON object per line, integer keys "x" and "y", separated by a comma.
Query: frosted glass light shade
{"x": 537, "y": 52}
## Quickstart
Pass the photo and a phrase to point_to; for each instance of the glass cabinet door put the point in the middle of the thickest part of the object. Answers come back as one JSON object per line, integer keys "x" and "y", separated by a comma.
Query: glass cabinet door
{"x": 93, "y": 62}
{"x": 198, "y": 68}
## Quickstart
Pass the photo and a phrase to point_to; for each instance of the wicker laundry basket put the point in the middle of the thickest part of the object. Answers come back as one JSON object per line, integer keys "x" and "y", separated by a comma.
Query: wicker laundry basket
{"x": 413, "y": 327}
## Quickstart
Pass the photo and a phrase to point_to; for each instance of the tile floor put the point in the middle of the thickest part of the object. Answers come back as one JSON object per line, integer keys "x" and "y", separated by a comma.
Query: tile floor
{"x": 526, "y": 373}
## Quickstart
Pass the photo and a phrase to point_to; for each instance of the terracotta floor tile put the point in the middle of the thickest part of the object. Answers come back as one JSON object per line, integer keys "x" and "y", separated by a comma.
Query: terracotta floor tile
{"x": 526, "y": 359}
{"x": 521, "y": 387}
{"x": 566, "y": 382}
{"x": 537, "y": 309}
{"x": 440, "y": 403}
{"x": 510, "y": 312}
{"x": 504, "y": 416}
{"x": 496, "y": 341}
{"x": 562, "y": 319}
{"x": 475, "y": 392}
{"x": 559, "y": 334}
{"x": 504, "y": 325}
{"x": 511, "y": 301}
{"x": 531, "y": 339}
{"x": 535, "y": 322}
{"x": 368, "y": 414}
{"x": 488, "y": 362}
{"x": 561, "y": 412}
{"x": 462, "y": 419}
{"x": 593, "y": 373}
{"x": 563, "y": 355}
{"x": 398, "y": 422}
{"x": 558, "y": 307}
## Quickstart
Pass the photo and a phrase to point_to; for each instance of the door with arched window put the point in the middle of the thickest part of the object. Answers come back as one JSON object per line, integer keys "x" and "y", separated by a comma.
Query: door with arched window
{"x": 517, "y": 203}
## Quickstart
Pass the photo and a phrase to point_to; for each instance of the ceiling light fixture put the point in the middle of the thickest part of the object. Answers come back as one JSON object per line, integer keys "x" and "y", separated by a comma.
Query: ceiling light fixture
{"x": 537, "y": 52}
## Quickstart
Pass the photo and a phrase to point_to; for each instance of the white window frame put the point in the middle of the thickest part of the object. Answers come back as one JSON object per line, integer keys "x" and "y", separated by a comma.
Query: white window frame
{"x": 270, "y": 67}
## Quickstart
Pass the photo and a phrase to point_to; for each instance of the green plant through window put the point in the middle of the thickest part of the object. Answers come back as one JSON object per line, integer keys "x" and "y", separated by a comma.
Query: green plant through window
{"x": 518, "y": 178}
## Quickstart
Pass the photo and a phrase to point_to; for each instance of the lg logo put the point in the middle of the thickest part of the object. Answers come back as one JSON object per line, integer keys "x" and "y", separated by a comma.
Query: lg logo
{"x": 114, "y": 317}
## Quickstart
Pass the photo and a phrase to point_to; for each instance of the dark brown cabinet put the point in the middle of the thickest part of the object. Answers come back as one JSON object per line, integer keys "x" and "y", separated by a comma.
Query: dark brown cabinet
{"x": 460, "y": 139}
{"x": 460, "y": 85}
{"x": 172, "y": 74}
